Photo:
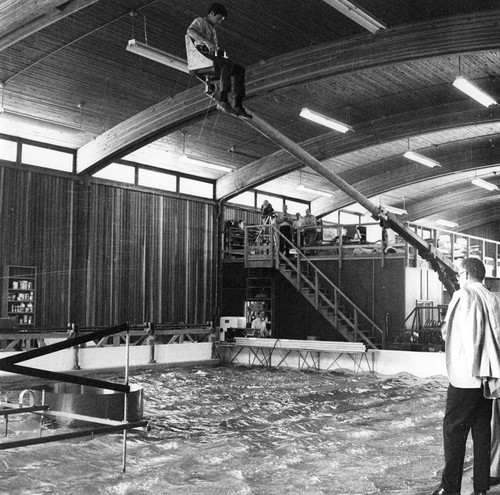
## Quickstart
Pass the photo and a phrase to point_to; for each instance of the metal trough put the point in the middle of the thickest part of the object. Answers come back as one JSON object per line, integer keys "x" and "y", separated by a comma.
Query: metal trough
{"x": 89, "y": 401}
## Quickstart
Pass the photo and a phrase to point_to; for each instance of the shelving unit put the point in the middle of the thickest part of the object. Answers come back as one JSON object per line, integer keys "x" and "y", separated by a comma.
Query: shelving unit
{"x": 19, "y": 294}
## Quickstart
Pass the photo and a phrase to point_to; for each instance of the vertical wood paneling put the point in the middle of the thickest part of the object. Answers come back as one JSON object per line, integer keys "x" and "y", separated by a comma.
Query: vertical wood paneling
{"x": 487, "y": 231}
{"x": 248, "y": 215}
{"x": 37, "y": 221}
{"x": 151, "y": 258}
{"x": 105, "y": 254}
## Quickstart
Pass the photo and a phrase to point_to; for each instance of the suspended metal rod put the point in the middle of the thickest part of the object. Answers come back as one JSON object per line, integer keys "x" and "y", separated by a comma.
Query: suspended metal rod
{"x": 125, "y": 400}
{"x": 74, "y": 434}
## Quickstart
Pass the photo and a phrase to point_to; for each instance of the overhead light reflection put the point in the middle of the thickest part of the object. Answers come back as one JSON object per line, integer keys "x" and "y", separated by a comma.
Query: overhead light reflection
{"x": 326, "y": 121}
{"x": 416, "y": 157}
{"x": 484, "y": 184}
{"x": 473, "y": 91}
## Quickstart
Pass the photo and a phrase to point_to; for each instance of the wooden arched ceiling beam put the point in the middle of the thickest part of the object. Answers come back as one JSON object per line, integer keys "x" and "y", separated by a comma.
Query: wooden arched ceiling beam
{"x": 18, "y": 20}
{"x": 430, "y": 39}
{"x": 457, "y": 161}
{"x": 477, "y": 218}
{"x": 460, "y": 199}
{"x": 369, "y": 134}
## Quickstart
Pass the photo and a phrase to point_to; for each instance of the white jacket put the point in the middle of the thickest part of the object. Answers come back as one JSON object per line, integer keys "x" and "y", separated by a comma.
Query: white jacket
{"x": 472, "y": 335}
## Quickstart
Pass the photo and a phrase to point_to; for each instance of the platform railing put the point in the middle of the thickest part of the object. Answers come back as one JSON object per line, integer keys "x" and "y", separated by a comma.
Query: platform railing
{"x": 24, "y": 339}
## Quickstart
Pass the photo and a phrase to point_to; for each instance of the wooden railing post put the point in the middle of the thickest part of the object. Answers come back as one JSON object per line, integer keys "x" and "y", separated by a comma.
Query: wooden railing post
{"x": 316, "y": 289}
{"x": 299, "y": 271}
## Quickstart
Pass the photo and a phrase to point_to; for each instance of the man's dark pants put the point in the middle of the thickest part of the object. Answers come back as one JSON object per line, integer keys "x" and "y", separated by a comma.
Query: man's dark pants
{"x": 226, "y": 68}
{"x": 466, "y": 410}
{"x": 287, "y": 231}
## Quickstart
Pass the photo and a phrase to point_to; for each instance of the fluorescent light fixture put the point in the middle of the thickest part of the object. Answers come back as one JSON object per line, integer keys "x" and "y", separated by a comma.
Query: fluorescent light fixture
{"x": 473, "y": 91}
{"x": 393, "y": 209}
{"x": 485, "y": 185}
{"x": 447, "y": 223}
{"x": 416, "y": 157}
{"x": 200, "y": 163}
{"x": 300, "y": 187}
{"x": 157, "y": 55}
{"x": 357, "y": 14}
{"x": 326, "y": 121}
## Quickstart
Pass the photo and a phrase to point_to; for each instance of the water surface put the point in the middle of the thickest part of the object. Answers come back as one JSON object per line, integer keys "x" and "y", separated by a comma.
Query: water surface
{"x": 238, "y": 431}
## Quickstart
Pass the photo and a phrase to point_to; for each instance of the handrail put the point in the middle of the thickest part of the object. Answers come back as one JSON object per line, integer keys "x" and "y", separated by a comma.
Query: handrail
{"x": 319, "y": 278}
{"x": 488, "y": 250}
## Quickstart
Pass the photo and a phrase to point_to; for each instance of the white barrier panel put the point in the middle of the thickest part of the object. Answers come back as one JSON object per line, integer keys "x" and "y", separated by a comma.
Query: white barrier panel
{"x": 422, "y": 364}
{"x": 183, "y": 353}
{"x": 58, "y": 361}
{"x": 96, "y": 358}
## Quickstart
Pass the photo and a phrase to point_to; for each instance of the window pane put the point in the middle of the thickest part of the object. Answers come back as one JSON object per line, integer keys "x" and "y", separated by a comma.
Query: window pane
{"x": 350, "y": 218}
{"x": 158, "y": 180}
{"x": 117, "y": 172}
{"x": 373, "y": 233}
{"x": 296, "y": 207}
{"x": 8, "y": 150}
{"x": 247, "y": 199}
{"x": 196, "y": 188}
{"x": 43, "y": 157}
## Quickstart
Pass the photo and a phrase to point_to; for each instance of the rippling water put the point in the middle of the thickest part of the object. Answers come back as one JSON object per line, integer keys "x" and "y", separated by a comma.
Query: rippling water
{"x": 239, "y": 431}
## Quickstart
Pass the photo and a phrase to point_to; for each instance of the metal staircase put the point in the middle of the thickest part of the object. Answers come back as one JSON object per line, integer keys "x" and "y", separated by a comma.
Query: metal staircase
{"x": 326, "y": 298}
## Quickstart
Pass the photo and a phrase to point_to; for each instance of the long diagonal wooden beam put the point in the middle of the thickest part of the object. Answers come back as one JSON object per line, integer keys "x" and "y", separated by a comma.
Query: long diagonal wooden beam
{"x": 442, "y": 266}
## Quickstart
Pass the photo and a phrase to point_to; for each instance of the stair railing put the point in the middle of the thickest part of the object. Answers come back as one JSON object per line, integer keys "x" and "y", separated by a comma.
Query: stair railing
{"x": 308, "y": 275}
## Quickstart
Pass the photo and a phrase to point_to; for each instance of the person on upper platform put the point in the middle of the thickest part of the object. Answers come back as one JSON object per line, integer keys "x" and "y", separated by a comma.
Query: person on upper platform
{"x": 285, "y": 225}
{"x": 202, "y": 31}
{"x": 267, "y": 211}
{"x": 309, "y": 228}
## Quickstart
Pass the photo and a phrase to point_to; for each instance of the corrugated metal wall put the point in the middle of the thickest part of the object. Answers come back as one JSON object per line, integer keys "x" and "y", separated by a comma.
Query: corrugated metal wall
{"x": 106, "y": 254}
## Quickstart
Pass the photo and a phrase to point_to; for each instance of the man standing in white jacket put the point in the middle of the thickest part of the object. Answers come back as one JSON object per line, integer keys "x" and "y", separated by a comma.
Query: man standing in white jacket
{"x": 472, "y": 335}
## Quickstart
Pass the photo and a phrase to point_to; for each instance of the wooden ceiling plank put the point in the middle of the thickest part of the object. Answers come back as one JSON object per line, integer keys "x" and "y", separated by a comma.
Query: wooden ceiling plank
{"x": 310, "y": 64}
{"x": 370, "y": 134}
{"x": 44, "y": 17}
{"x": 375, "y": 184}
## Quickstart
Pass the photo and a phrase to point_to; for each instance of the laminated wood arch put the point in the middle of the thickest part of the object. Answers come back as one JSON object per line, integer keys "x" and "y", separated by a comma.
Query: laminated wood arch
{"x": 443, "y": 37}
{"x": 375, "y": 183}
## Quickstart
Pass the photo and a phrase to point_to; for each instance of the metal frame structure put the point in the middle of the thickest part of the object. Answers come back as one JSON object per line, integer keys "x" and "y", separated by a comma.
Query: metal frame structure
{"x": 10, "y": 364}
{"x": 306, "y": 354}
